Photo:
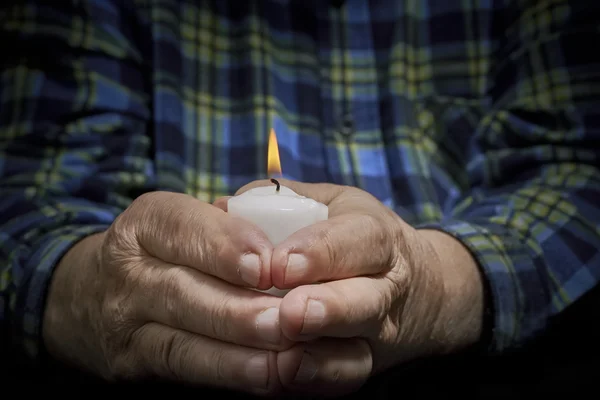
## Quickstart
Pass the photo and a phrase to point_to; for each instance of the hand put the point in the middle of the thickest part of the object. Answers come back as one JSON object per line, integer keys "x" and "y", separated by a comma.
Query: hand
{"x": 161, "y": 295}
{"x": 389, "y": 293}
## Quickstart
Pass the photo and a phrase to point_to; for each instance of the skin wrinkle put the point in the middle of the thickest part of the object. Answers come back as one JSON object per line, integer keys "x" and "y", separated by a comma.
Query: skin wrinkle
{"x": 332, "y": 262}
{"x": 429, "y": 283}
{"x": 117, "y": 345}
{"x": 167, "y": 353}
{"x": 174, "y": 247}
{"x": 218, "y": 358}
{"x": 378, "y": 237}
{"x": 396, "y": 244}
{"x": 118, "y": 338}
{"x": 219, "y": 312}
{"x": 171, "y": 282}
{"x": 238, "y": 269}
{"x": 121, "y": 247}
{"x": 399, "y": 276}
{"x": 174, "y": 214}
{"x": 387, "y": 296}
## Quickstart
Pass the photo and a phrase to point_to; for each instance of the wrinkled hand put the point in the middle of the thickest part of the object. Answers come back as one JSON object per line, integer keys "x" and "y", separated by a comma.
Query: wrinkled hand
{"x": 161, "y": 294}
{"x": 388, "y": 293}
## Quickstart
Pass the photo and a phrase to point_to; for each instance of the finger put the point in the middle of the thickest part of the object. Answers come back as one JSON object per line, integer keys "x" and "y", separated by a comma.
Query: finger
{"x": 186, "y": 299}
{"x": 179, "y": 229}
{"x": 345, "y": 308}
{"x": 184, "y": 357}
{"x": 329, "y": 367}
{"x": 341, "y": 247}
{"x": 221, "y": 203}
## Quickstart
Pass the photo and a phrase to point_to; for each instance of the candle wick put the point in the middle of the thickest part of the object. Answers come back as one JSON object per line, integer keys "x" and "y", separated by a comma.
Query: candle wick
{"x": 275, "y": 181}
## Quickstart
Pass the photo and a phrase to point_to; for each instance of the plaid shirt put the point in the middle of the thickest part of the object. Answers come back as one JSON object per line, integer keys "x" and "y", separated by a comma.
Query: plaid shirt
{"x": 479, "y": 118}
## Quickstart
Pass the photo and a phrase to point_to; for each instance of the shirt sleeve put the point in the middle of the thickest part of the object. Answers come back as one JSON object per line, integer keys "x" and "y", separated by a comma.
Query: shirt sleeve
{"x": 74, "y": 149}
{"x": 532, "y": 215}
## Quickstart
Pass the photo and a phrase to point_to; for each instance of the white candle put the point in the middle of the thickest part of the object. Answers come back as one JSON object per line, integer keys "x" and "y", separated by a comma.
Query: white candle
{"x": 279, "y": 213}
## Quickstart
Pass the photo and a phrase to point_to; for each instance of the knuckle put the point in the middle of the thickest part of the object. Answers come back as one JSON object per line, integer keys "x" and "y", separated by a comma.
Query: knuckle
{"x": 376, "y": 228}
{"x": 401, "y": 275}
{"x": 137, "y": 276}
{"x": 380, "y": 242}
{"x": 382, "y": 302}
{"x": 123, "y": 223}
{"x": 121, "y": 362}
{"x": 170, "y": 354}
{"x": 219, "y": 318}
{"x": 128, "y": 278}
{"x": 326, "y": 247}
{"x": 203, "y": 246}
{"x": 119, "y": 319}
{"x": 341, "y": 296}
{"x": 146, "y": 217}
{"x": 173, "y": 294}
{"x": 146, "y": 199}
{"x": 120, "y": 243}
{"x": 114, "y": 311}
{"x": 221, "y": 365}
{"x": 118, "y": 323}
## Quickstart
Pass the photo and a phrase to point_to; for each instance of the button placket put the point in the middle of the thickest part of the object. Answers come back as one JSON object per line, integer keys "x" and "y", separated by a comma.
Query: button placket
{"x": 346, "y": 128}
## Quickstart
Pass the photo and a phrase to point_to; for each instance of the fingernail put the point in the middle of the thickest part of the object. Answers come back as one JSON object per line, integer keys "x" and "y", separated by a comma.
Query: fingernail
{"x": 313, "y": 317}
{"x": 267, "y": 325}
{"x": 307, "y": 370}
{"x": 257, "y": 371}
{"x": 296, "y": 268}
{"x": 249, "y": 269}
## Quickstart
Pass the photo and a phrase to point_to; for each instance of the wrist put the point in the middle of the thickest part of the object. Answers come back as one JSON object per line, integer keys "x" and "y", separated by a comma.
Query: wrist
{"x": 65, "y": 308}
{"x": 460, "y": 321}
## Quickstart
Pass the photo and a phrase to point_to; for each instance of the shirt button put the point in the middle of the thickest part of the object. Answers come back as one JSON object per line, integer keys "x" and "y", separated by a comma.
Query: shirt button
{"x": 425, "y": 119}
{"x": 347, "y": 126}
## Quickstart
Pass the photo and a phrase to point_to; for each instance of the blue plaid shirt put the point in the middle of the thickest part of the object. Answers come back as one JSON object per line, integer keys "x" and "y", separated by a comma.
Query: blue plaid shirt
{"x": 479, "y": 118}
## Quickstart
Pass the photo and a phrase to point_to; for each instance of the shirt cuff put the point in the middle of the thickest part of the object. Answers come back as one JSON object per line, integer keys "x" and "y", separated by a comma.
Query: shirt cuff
{"x": 30, "y": 301}
{"x": 510, "y": 276}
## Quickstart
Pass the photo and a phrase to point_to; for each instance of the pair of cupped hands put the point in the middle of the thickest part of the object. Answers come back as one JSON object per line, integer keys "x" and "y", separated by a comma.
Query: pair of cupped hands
{"x": 169, "y": 292}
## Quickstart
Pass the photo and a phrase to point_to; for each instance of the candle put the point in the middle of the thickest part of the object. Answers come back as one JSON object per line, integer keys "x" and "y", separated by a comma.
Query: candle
{"x": 277, "y": 210}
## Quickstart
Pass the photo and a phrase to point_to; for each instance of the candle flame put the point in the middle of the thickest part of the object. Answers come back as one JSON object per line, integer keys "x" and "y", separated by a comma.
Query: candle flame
{"x": 273, "y": 161}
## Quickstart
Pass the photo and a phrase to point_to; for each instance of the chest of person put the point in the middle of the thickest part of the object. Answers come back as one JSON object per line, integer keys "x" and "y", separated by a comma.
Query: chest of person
{"x": 382, "y": 95}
